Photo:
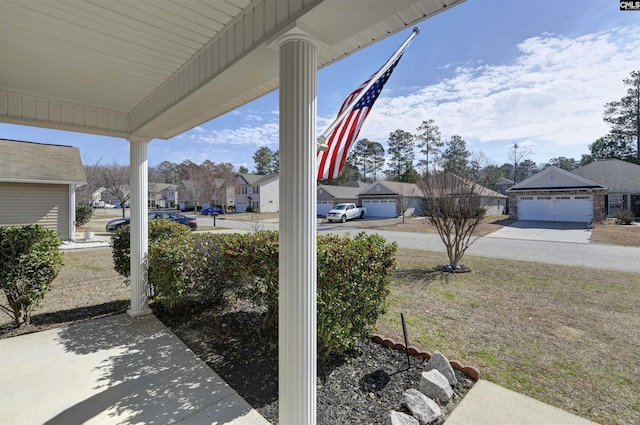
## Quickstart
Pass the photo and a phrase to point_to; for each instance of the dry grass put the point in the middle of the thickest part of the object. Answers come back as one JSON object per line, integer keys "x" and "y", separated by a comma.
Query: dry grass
{"x": 613, "y": 234}
{"x": 86, "y": 288}
{"x": 565, "y": 335}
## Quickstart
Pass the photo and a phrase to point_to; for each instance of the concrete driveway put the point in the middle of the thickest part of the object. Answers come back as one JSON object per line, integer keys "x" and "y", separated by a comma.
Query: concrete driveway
{"x": 544, "y": 231}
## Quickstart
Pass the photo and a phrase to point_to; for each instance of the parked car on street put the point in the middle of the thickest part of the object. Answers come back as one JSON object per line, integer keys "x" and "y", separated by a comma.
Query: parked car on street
{"x": 191, "y": 222}
{"x": 212, "y": 210}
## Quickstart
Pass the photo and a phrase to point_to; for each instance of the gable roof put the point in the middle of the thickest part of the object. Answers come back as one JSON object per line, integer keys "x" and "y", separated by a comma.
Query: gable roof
{"x": 341, "y": 192}
{"x": 30, "y": 162}
{"x": 615, "y": 174}
{"x": 161, "y": 187}
{"x": 393, "y": 188}
{"x": 554, "y": 178}
{"x": 258, "y": 179}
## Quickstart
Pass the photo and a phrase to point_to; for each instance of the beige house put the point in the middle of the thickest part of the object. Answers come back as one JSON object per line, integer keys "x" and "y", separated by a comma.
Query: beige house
{"x": 390, "y": 199}
{"x": 329, "y": 196}
{"x": 555, "y": 194}
{"x": 38, "y": 184}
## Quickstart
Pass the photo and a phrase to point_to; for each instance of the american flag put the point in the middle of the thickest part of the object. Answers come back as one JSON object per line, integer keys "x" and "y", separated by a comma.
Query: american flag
{"x": 342, "y": 138}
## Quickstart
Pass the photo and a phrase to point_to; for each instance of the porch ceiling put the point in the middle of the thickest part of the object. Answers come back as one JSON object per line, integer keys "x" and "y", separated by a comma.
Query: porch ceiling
{"x": 154, "y": 69}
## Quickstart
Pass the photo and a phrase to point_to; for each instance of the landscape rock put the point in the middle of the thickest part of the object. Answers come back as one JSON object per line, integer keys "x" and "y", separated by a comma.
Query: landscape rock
{"x": 439, "y": 362}
{"x": 399, "y": 418}
{"x": 422, "y": 407}
{"x": 436, "y": 386}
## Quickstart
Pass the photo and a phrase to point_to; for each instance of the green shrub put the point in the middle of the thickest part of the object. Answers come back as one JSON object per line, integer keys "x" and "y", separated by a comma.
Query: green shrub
{"x": 207, "y": 273}
{"x": 83, "y": 214}
{"x": 353, "y": 280}
{"x": 252, "y": 264}
{"x": 31, "y": 259}
{"x": 160, "y": 232}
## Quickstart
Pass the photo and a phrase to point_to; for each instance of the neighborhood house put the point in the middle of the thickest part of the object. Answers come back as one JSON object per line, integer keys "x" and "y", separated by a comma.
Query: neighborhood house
{"x": 38, "y": 185}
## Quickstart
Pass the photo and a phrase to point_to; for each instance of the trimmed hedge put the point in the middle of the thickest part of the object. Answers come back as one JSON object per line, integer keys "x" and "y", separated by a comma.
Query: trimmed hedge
{"x": 252, "y": 264}
{"x": 353, "y": 281}
{"x": 30, "y": 257}
{"x": 353, "y": 276}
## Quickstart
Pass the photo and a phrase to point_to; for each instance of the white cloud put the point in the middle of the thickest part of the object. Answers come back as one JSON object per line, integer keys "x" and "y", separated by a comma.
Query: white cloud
{"x": 551, "y": 96}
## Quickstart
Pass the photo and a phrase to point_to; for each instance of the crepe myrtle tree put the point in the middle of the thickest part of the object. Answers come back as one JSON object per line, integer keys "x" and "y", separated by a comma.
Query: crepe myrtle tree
{"x": 455, "y": 206}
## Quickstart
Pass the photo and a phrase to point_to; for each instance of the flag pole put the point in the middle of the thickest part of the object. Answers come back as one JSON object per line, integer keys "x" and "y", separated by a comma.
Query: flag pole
{"x": 322, "y": 146}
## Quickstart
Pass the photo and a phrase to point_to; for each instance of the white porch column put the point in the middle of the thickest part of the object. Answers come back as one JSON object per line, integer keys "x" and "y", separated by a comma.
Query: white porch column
{"x": 139, "y": 186}
{"x": 297, "y": 278}
{"x": 72, "y": 212}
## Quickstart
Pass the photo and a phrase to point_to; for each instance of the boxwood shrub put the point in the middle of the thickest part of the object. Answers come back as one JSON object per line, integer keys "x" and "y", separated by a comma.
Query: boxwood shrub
{"x": 30, "y": 259}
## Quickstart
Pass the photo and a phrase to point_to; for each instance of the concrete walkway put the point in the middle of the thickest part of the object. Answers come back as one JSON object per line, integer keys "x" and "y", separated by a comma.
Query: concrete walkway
{"x": 115, "y": 370}
{"x": 491, "y": 404}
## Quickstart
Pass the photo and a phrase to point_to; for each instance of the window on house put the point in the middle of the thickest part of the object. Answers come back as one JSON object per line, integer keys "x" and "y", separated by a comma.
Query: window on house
{"x": 615, "y": 203}
{"x": 552, "y": 178}
{"x": 256, "y": 189}
{"x": 244, "y": 190}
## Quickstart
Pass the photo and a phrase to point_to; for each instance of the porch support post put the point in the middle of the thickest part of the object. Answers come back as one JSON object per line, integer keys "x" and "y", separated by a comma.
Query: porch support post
{"x": 72, "y": 211}
{"x": 298, "y": 226}
{"x": 139, "y": 186}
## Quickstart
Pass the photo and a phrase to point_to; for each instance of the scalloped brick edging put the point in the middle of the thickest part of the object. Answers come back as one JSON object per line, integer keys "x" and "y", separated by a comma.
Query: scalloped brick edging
{"x": 415, "y": 351}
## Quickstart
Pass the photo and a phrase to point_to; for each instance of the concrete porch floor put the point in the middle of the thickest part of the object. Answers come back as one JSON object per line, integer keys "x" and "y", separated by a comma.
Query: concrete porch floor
{"x": 114, "y": 370}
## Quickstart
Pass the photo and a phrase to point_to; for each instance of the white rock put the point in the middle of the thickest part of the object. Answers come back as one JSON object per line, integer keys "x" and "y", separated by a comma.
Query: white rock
{"x": 436, "y": 386}
{"x": 399, "y": 418}
{"x": 441, "y": 363}
{"x": 422, "y": 407}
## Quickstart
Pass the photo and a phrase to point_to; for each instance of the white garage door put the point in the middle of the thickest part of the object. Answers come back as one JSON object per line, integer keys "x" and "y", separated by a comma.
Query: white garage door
{"x": 324, "y": 207}
{"x": 381, "y": 208}
{"x": 576, "y": 208}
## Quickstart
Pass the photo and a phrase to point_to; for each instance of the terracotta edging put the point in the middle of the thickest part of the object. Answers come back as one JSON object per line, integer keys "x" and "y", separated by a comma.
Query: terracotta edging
{"x": 416, "y": 351}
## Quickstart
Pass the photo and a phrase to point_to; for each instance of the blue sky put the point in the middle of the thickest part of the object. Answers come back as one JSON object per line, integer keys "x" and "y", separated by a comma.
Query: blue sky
{"x": 536, "y": 73}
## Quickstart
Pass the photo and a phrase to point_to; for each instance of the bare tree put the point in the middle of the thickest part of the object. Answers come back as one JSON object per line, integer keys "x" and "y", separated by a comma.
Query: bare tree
{"x": 517, "y": 154}
{"x": 115, "y": 179}
{"x": 196, "y": 182}
{"x": 454, "y": 206}
{"x": 92, "y": 173}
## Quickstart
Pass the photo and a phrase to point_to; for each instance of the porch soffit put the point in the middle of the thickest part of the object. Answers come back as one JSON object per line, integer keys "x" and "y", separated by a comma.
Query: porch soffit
{"x": 157, "y": 69}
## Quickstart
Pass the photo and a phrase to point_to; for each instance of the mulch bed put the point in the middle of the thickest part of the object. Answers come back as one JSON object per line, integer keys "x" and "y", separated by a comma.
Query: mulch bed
{"x": 359, "y": 387}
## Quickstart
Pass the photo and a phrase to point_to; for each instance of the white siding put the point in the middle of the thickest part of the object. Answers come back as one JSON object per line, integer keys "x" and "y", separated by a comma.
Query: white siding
{"x": 269, "y": 197}
{"x": 22, "y": 204}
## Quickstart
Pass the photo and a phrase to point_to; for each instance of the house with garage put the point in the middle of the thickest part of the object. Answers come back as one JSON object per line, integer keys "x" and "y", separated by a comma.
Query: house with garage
{"x": 328, "y": 196}
{"x": 390, "y": 199}
{"x": 554, "y": 194}
{"x": 255, "y": 192}
{"x": 622, "y": 180}
{"x": 38, "y": 185}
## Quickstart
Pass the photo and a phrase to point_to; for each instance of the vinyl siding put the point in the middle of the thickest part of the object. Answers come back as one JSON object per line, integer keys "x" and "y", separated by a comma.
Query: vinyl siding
{"x": 22, "y": 204}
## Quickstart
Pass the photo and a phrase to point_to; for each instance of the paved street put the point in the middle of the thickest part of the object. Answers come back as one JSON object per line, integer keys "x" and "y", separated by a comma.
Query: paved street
{"x": 565, "y": 253}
